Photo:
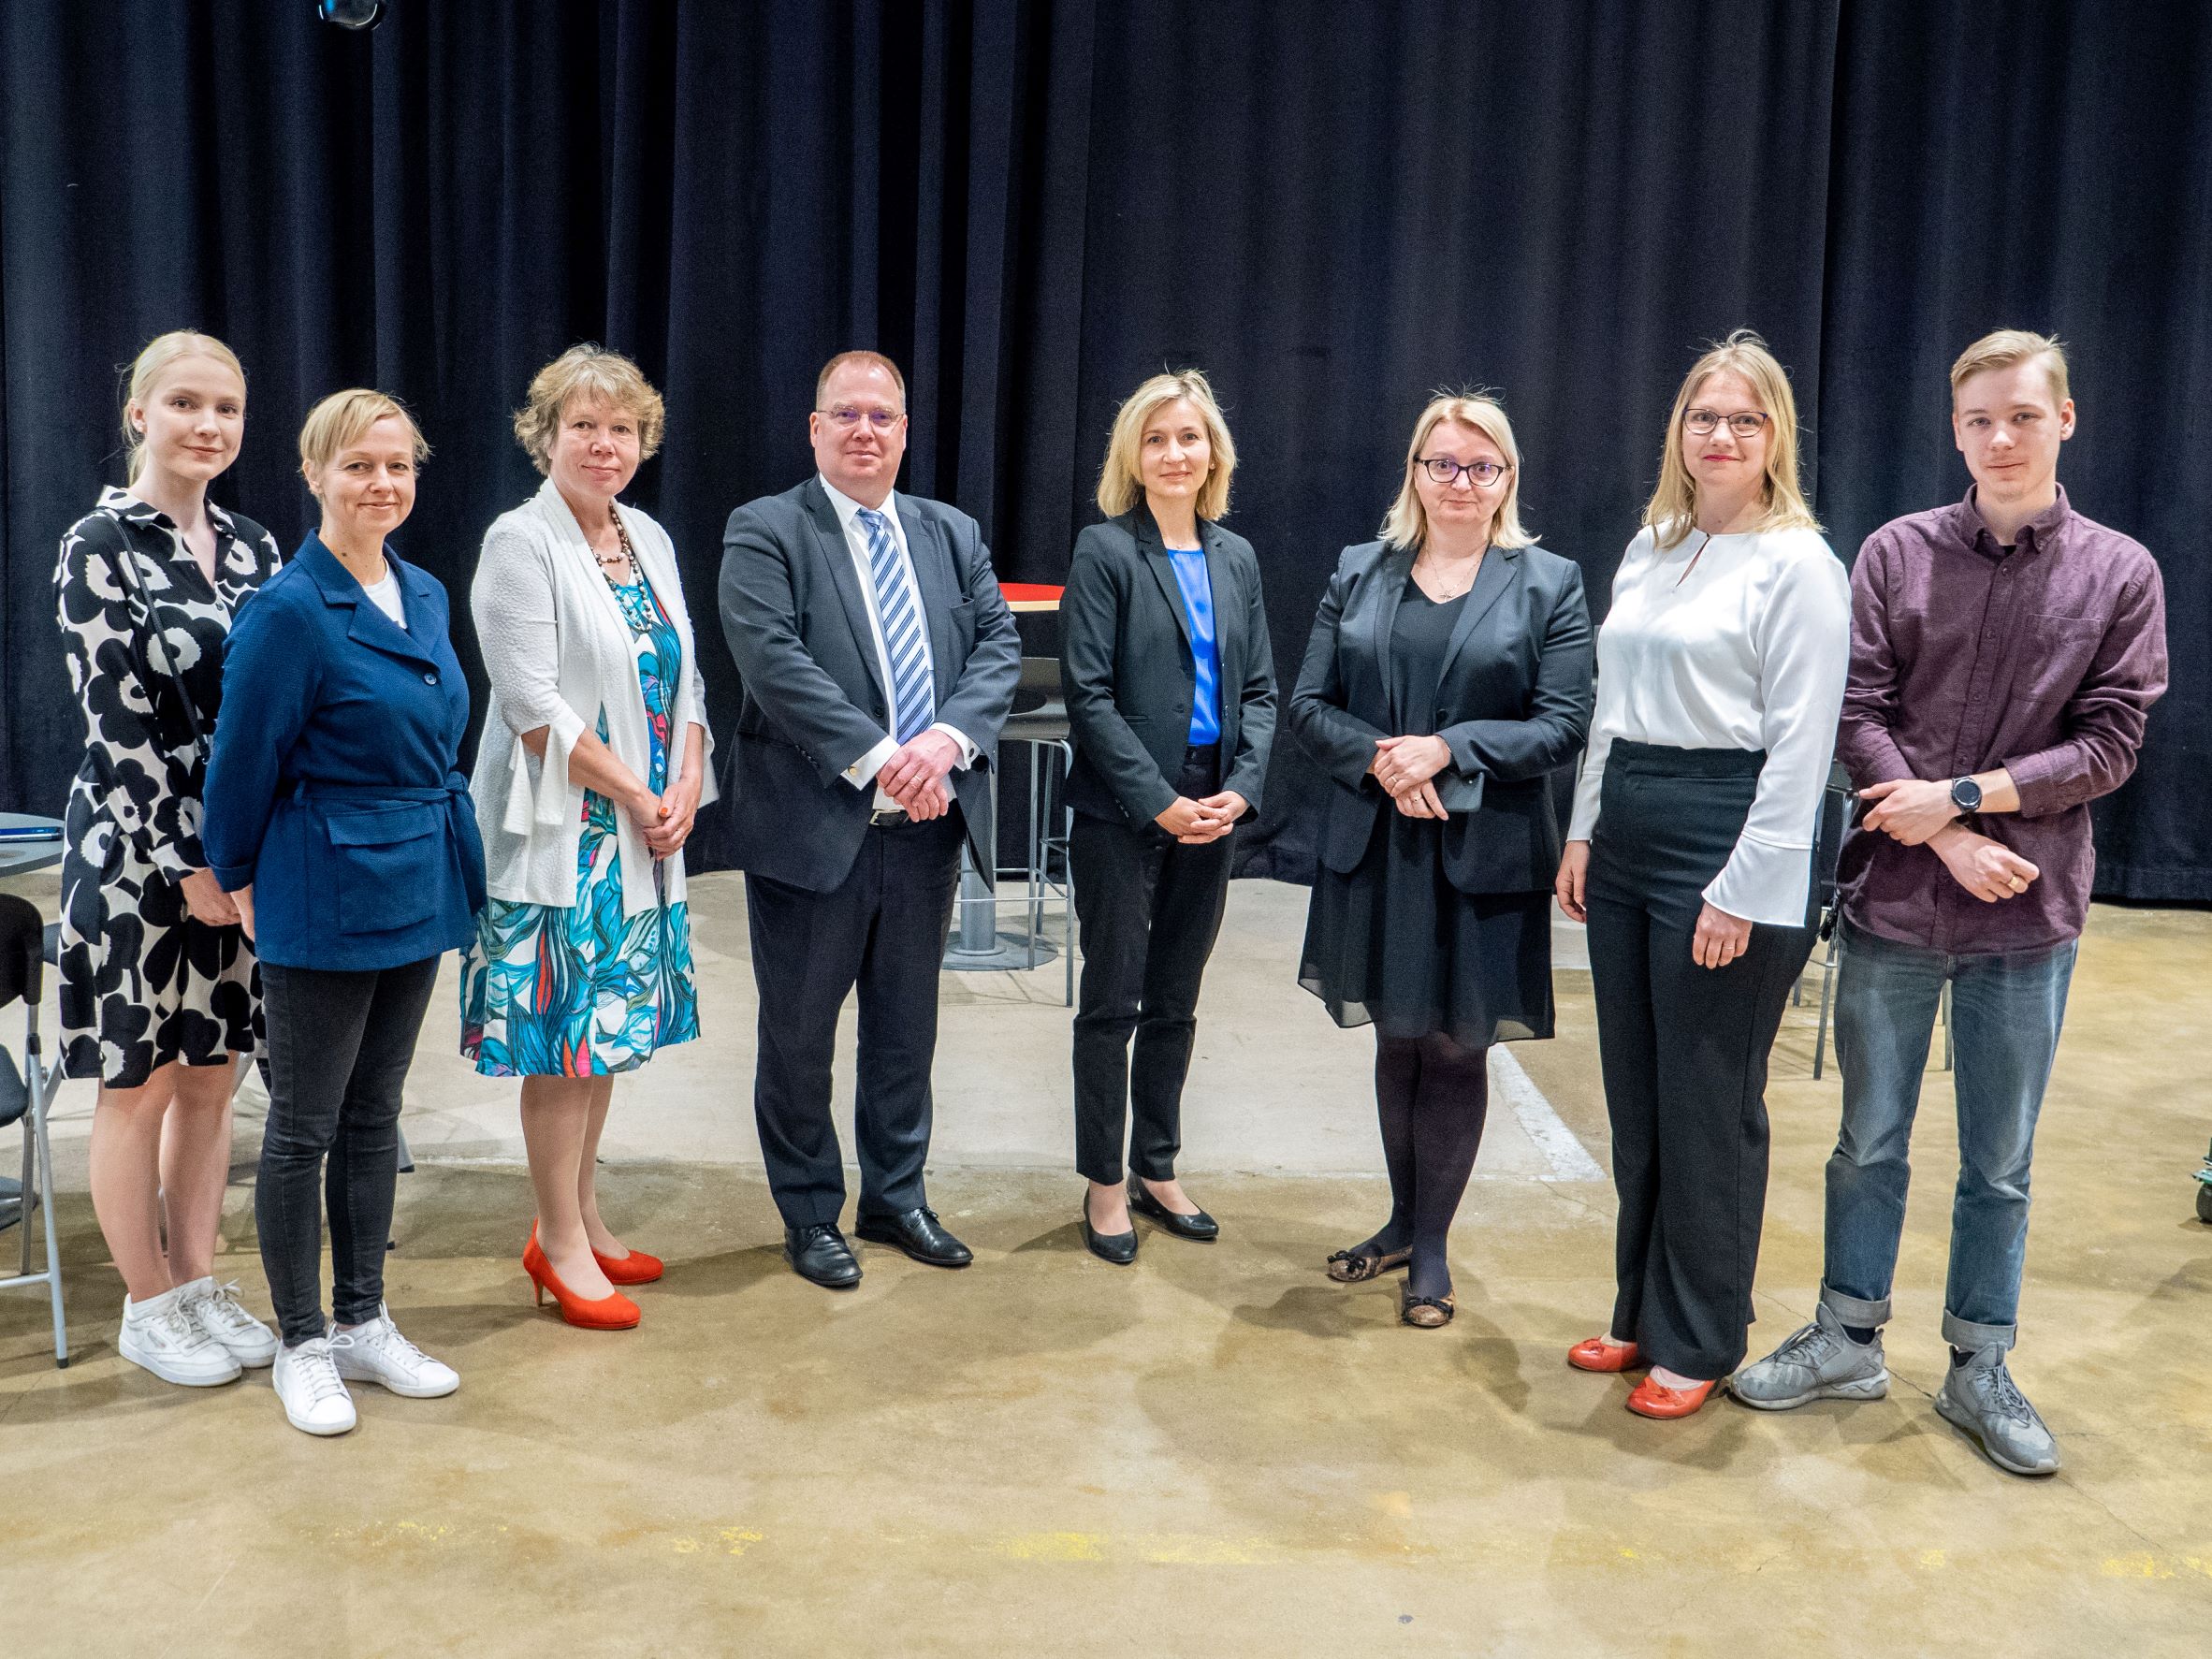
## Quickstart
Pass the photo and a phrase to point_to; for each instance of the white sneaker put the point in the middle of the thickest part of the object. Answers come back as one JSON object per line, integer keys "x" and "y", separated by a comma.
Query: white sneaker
{"x": 377, "y": 1353}
{"x": 162, "y": 1336}
{"x": 222, "y": 1317}
{"x": 307, "y": 1384}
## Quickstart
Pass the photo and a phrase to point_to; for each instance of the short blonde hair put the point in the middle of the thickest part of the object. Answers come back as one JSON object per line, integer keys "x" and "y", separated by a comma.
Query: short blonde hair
{"x": 1672, "y": 512}
{"x": 592, "y": 373}
{"x": 339, "y": 421}
{"x": 865, "y": 360}
{"x": 145, "y": 372}
{"x": 1406, "y": 524}
{"x": 2007, "y": 347}
{"x": 1121, "y": 480}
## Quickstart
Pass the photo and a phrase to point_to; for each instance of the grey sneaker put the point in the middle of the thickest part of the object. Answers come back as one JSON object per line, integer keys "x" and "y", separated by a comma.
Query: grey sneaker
{"x": 1817, "y": 1362}
{"x": 1979, "y": 1397}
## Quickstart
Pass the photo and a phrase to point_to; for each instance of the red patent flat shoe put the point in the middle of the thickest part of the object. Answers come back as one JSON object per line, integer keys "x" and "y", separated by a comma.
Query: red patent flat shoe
{"x": 1656, "y": 1400}
{"x": 636, "y": 1268}
{"x": 1597, "y": 1354}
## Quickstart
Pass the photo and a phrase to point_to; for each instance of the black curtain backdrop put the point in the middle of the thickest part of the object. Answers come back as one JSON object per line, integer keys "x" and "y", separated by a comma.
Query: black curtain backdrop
{"x": 1331, "y": 209}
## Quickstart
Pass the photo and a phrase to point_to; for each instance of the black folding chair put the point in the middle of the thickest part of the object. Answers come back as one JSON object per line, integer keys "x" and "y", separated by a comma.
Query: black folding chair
{"x": 25, "y": 1097}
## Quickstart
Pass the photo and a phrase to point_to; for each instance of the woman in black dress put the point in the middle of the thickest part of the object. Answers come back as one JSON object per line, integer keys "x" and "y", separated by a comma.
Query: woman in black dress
{"x": 1447, "y": 677}
{"x": 159, "y": 996}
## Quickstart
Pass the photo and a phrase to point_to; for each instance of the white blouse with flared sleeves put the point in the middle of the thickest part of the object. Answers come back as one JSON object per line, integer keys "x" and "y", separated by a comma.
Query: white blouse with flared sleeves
{"x": 1731, "y": 642}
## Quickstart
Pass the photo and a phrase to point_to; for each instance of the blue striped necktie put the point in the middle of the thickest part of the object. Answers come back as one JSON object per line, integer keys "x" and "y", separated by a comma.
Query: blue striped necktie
{"x": 913, "y": 699}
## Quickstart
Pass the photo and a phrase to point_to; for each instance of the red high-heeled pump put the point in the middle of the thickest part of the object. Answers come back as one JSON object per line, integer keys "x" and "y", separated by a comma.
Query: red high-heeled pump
{"x": 615, "y": 1312}
{"x": 636, "y": 1268}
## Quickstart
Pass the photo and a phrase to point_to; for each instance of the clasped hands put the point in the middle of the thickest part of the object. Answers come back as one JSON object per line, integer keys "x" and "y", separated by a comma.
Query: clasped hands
{"x": 914, "y": 776}
{"x": 1405, "y": 766}
{"x": 1916, "y": 813}
{"x": 665, "y": 820}
{"x": 1196, "y": 822}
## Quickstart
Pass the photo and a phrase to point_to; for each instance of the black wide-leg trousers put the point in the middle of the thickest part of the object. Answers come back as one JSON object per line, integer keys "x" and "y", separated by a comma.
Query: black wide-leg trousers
{"x": 1683, "y": 1051}
{"x": 1149, "y": 909}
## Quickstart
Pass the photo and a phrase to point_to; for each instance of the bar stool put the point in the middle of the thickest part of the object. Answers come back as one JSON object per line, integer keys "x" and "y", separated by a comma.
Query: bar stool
{"x": 25, "y": 1096}
{"x": 1044, "y": 730}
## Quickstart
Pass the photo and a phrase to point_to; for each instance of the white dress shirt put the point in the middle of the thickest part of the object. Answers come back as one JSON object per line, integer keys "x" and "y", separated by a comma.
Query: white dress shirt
{"x": 861, "y": 773}
{"x": 1731, "y": 642}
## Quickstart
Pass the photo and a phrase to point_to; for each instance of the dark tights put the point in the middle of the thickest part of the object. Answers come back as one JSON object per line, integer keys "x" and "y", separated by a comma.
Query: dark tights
{"x": 1431, "y": 1094}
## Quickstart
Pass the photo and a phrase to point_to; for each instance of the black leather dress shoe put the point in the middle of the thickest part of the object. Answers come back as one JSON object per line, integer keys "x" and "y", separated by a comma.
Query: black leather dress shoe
{"x": 917, "y": 1233}
{"x": 820, "y": 1254}
{"x": 1118, "y": 1247}
{"x": 1199, "y": 1224}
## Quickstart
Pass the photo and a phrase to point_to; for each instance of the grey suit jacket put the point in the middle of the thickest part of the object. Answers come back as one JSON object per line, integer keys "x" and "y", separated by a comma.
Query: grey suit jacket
{"x": 1129, "y": 673}
{"x": 1512, "y": 701}
{"x": 796, "y": 620}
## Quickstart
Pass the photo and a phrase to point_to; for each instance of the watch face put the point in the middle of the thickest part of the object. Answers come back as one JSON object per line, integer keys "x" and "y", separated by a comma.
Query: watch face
{"x": 1966, "y": 794}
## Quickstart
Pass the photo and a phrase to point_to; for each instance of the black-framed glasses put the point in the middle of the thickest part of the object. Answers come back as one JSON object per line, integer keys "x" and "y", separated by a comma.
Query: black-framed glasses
{"x": 1481, "y": 473}
{"x": 1744, "y": 422}
{"x": 845, "y": 417}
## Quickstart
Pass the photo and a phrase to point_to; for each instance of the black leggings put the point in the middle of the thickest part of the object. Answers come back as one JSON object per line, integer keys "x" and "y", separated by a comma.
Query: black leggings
{"x": 1431, "y": 1095}
{"x": 339, "y": 1047}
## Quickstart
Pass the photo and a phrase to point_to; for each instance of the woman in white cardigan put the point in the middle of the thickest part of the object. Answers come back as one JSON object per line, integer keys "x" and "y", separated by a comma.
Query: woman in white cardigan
{"x": 593, "y": 761}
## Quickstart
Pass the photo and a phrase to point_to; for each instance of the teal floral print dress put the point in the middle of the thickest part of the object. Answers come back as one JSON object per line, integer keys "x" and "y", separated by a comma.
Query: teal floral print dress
{"x": 580, "y": 992}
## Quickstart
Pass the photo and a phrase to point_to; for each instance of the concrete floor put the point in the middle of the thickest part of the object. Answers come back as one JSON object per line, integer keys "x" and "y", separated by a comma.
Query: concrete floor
{"x": 1216, "y": 1451}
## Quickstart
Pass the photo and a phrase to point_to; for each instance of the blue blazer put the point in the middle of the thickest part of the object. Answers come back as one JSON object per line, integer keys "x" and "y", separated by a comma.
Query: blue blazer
{"x": 334, "y": 786}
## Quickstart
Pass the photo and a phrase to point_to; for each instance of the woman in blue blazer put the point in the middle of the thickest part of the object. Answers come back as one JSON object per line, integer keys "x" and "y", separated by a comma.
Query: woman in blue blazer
{"x": 1448, "y": 675}
{"x": 337, "y": 818}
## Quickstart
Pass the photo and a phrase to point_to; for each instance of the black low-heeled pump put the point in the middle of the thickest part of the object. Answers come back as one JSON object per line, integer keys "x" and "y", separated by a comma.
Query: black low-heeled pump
{"x": 1199, "y": 1225}
{"x": 1120, "y": 1249}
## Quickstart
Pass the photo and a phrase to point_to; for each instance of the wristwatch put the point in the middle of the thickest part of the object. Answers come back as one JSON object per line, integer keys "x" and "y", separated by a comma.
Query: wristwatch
{"x": 1966, "y": 794}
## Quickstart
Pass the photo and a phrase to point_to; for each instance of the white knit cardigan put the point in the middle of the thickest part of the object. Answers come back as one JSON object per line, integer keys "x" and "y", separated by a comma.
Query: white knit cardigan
{"x": 560, "y": 654}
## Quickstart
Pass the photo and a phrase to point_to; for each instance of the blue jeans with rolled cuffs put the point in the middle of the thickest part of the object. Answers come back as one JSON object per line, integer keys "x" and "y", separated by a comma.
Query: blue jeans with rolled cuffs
{"x": 2006, "y": 1009}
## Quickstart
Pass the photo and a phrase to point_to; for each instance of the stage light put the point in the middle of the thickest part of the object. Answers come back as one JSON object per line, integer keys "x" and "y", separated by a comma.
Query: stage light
{"x": 351, "y": 14}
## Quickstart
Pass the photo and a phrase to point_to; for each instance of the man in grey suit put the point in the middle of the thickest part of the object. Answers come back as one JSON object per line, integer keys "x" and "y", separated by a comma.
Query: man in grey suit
{"x": 878, "y": 663}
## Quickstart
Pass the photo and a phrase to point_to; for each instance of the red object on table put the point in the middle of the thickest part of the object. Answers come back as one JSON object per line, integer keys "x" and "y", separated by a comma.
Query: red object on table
{"x": 1031, "y": 596}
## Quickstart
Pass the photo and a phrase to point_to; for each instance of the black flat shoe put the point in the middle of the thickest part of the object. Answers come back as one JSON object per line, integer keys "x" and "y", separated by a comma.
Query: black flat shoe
{"x": 820, "y": 1254}
{"x": 917, "y": 1233}
{"x": 1118, "y": 1247}
{"x": 1199, "y": 1225}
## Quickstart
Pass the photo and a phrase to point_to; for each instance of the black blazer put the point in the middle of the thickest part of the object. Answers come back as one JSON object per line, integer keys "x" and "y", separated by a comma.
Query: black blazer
{"x": 1129, "y": 673}
{"x": 797, "y": 624}
{"x": 1513, "y": 702}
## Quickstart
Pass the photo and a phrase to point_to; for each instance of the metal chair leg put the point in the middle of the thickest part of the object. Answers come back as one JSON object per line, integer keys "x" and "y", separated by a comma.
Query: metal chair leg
{"x": 53, "y": 1248}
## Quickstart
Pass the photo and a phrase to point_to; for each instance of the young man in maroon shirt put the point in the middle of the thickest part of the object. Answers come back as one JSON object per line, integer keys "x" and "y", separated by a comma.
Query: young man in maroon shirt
{"x": 2004, "y": 653}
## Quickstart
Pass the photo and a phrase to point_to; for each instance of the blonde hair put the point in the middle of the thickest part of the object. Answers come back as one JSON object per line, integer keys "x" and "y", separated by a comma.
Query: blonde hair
{"x": 590, "y": 372}
{"x": 1406, "y": 524}
{"x": 1672, "y": 512}
{"x": 341, "y": 420}
{"x": 1121, "y": 482}
{"x": 145, "y": 372}
{"x": 2008, "y": 346}
{"x": 865, "y": 360}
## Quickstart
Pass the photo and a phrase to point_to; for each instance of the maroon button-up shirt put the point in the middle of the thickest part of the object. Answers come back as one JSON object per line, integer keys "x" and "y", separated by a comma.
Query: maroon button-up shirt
{"x": 2043, "y": 658}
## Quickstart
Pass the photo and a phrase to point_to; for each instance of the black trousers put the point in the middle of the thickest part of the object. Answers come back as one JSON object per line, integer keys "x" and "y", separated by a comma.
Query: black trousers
{"x": 338, "y": 1048}
{"x": 882, "y": 929}
{"x": 1149, "y": 909}
{"x": 1683, "y": 1051}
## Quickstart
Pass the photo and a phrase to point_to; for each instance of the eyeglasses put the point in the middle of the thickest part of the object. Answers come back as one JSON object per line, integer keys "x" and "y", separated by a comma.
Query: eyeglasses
{"x": 1481, "y": 473}
{"x": 845, "y": 417}
{"x": 1744, "y": 422}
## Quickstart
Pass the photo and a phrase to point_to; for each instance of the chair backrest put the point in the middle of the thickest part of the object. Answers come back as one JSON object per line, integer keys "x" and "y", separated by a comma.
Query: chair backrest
{"x": 23, "y": 948}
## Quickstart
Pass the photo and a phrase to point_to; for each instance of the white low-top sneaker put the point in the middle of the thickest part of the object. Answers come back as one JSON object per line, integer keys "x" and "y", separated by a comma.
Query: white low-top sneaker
{"x": 162, "y": 1336}
{"x": 222, "y": 1317}
{"x": 377, "y": 1353}
{"x": 307, "y": 1383}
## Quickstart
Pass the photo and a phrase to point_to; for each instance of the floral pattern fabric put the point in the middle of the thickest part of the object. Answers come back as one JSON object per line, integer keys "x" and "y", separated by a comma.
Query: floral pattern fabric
{"x": 142, "y": 982}
{"x": 580, "y": 992}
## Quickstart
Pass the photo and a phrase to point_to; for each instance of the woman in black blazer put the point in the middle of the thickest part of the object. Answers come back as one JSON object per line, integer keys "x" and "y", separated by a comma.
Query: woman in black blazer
{"x": 1170, "y": 688}
{"x": 1447, "y": 677}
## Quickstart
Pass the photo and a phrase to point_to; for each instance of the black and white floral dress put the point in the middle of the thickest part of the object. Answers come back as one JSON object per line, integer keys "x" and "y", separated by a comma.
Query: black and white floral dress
{"x": 141, "y": 983}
